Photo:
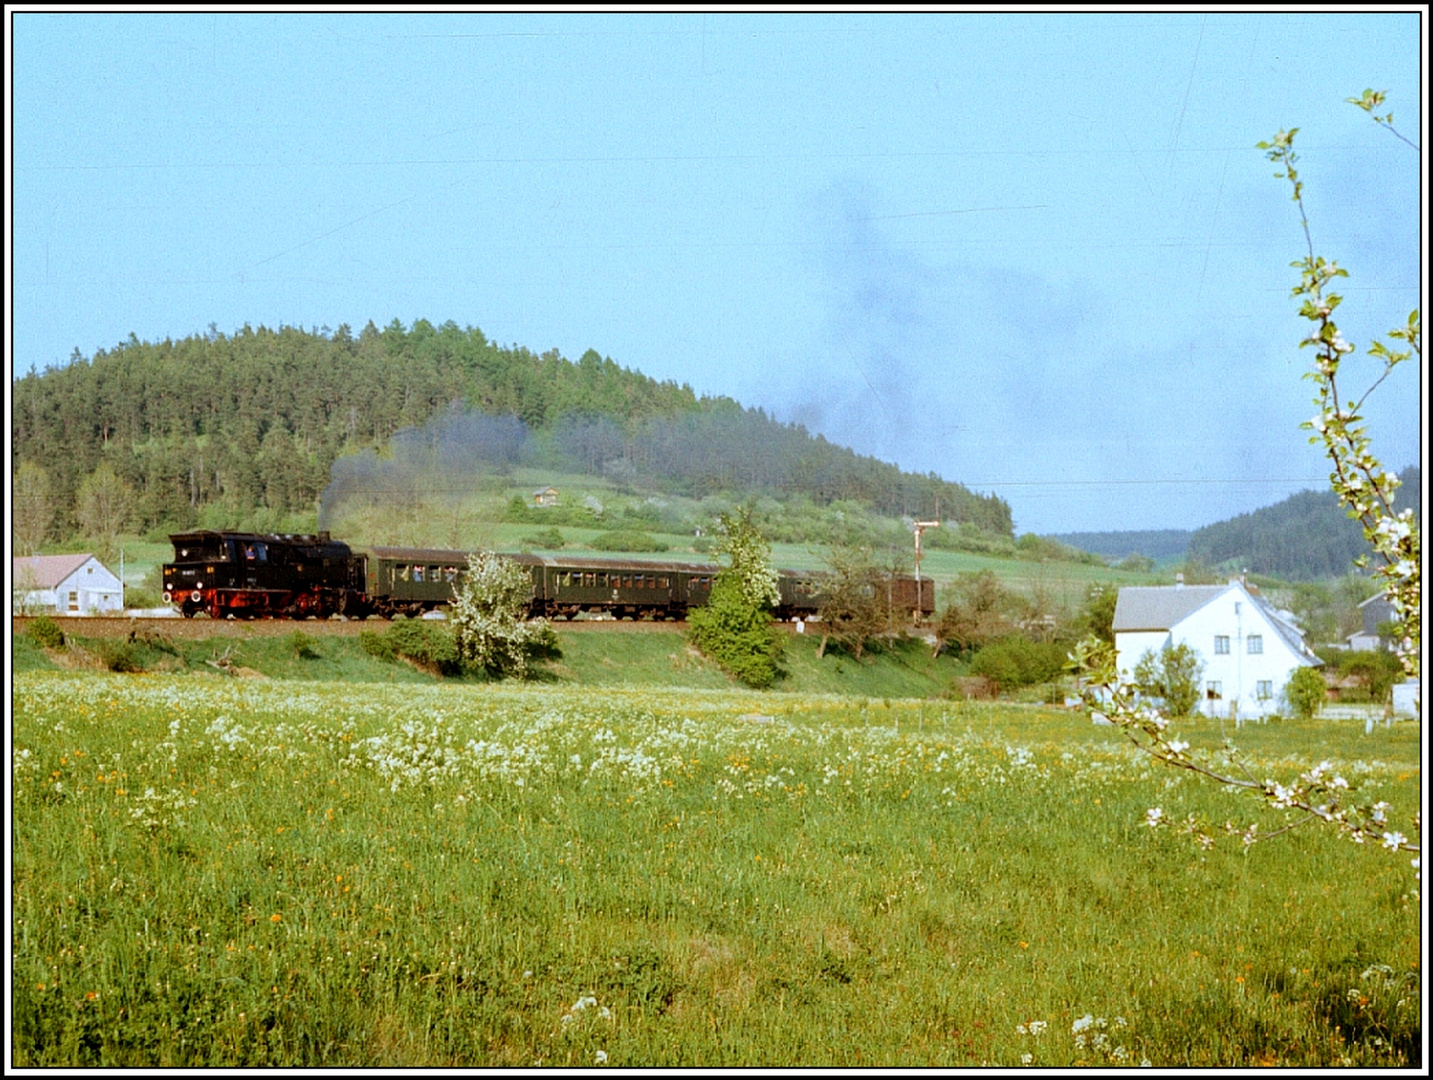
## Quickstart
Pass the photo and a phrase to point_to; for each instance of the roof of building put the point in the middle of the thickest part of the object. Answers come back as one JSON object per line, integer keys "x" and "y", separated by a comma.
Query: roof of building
{"x": 1160, "y": 607}
{"x": 46, "y": 571}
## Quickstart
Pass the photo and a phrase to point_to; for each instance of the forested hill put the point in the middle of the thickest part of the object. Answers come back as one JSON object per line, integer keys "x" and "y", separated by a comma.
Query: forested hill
{"x": 1154, "y": 543}
{"x": 256, "y": 419}
{"x": 1305, "y": 537}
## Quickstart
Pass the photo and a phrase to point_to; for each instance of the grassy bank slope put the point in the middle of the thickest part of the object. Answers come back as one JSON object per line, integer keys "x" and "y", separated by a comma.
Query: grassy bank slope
{"x": 637, "y": 657}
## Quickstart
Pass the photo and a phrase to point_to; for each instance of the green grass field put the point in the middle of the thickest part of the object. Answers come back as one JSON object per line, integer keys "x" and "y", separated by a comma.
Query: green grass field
{"x": 213, "y": 871}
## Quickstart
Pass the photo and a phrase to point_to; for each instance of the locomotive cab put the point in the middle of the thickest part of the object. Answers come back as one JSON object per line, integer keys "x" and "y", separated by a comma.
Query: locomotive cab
{"x": 244, "y": 575}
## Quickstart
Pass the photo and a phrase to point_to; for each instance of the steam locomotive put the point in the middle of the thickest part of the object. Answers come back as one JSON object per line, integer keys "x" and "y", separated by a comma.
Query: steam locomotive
{"x": 243, "y": 575}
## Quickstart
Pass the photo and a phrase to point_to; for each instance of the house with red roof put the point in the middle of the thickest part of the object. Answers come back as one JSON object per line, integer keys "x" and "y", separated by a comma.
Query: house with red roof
{"x": 64, "y": 585}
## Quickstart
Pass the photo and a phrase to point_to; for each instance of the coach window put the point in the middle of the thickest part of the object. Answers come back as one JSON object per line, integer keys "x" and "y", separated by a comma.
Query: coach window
{"x": 417, "y": 573}
{"x": 450, "y": 573}
{"x": 433, "y": 574}
{"x": 402, "y": 572}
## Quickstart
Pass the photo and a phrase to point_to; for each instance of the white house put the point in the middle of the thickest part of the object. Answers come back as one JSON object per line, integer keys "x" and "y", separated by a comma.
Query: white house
{"x": 1248, "y": 647}
{"x": 65, "y": 585}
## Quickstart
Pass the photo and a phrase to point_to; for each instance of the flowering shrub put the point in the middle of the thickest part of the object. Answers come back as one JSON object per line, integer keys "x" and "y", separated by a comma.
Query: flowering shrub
{"x": 488, "y": 618}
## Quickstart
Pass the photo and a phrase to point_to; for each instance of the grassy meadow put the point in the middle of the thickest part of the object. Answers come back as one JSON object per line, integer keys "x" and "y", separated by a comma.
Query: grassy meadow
{"x": 213, "y": 871}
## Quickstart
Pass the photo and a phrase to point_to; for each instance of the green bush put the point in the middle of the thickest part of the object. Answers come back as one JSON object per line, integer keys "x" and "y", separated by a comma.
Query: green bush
{"x": 1015, "y": 661}
{"x": 302, "y": 645}
{"x": 46, "y": 632}
{"x": 1171, "y": 675}
{"x": 137, "y": 596}
{"x": 425, "y": 642}
{"x": 1305, "y": 692}
{"x": 1376, "y": 669}
{"x": 627, "y": 540}
{"x": 118, "y": 655}
{"x": 546, "y": 540}
{"x": 739, "y": 637}
{"x": 376, "y": 644}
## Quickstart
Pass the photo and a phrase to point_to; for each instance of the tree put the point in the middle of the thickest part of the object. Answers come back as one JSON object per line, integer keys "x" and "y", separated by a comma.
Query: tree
{"x": 734, "y": 627}
{"x": 1097, "y": 617}
{"x": 979, "y": 610}
{"x": 854, "y": 609}
{"x": 1305, "y": 692}
{"x": 488, "y": 618}
{"x": 1172, "y": 676}
{"x": 105, "y": 504}
{"x": 1366, "y": 488}
{"x": 34, "y": 507}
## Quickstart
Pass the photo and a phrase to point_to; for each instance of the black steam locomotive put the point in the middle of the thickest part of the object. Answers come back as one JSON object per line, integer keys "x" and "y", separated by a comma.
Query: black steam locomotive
{"x": 262, "y": 575}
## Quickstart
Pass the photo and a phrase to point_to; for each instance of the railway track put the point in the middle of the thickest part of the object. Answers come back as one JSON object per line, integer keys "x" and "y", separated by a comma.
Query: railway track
{"x": 199, "y": 628}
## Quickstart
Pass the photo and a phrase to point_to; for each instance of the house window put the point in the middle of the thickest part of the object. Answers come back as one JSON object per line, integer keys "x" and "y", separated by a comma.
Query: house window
{"x": 1264, "y": 689}
{"x": 1214, "y": 689}
{"x": 1256, "y": 643}
{"x": 74, "y": 604}
{"x": 1221, "y": 644}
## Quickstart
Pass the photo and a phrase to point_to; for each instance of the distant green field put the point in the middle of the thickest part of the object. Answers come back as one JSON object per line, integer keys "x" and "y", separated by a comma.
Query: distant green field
{"x": 233, "y": 873}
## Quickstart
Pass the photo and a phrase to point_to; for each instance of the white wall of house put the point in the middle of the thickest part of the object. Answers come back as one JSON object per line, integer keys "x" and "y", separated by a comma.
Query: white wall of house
{"x": 1130, "y": 645}
{"x": 1247, "y": 663}
{"x": 90, "y": 589}
{"x": 1252, "y": 673}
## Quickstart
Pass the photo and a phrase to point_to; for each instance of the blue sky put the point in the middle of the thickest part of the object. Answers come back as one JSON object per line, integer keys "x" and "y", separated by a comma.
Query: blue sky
{"x": 1038, "y": 254}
